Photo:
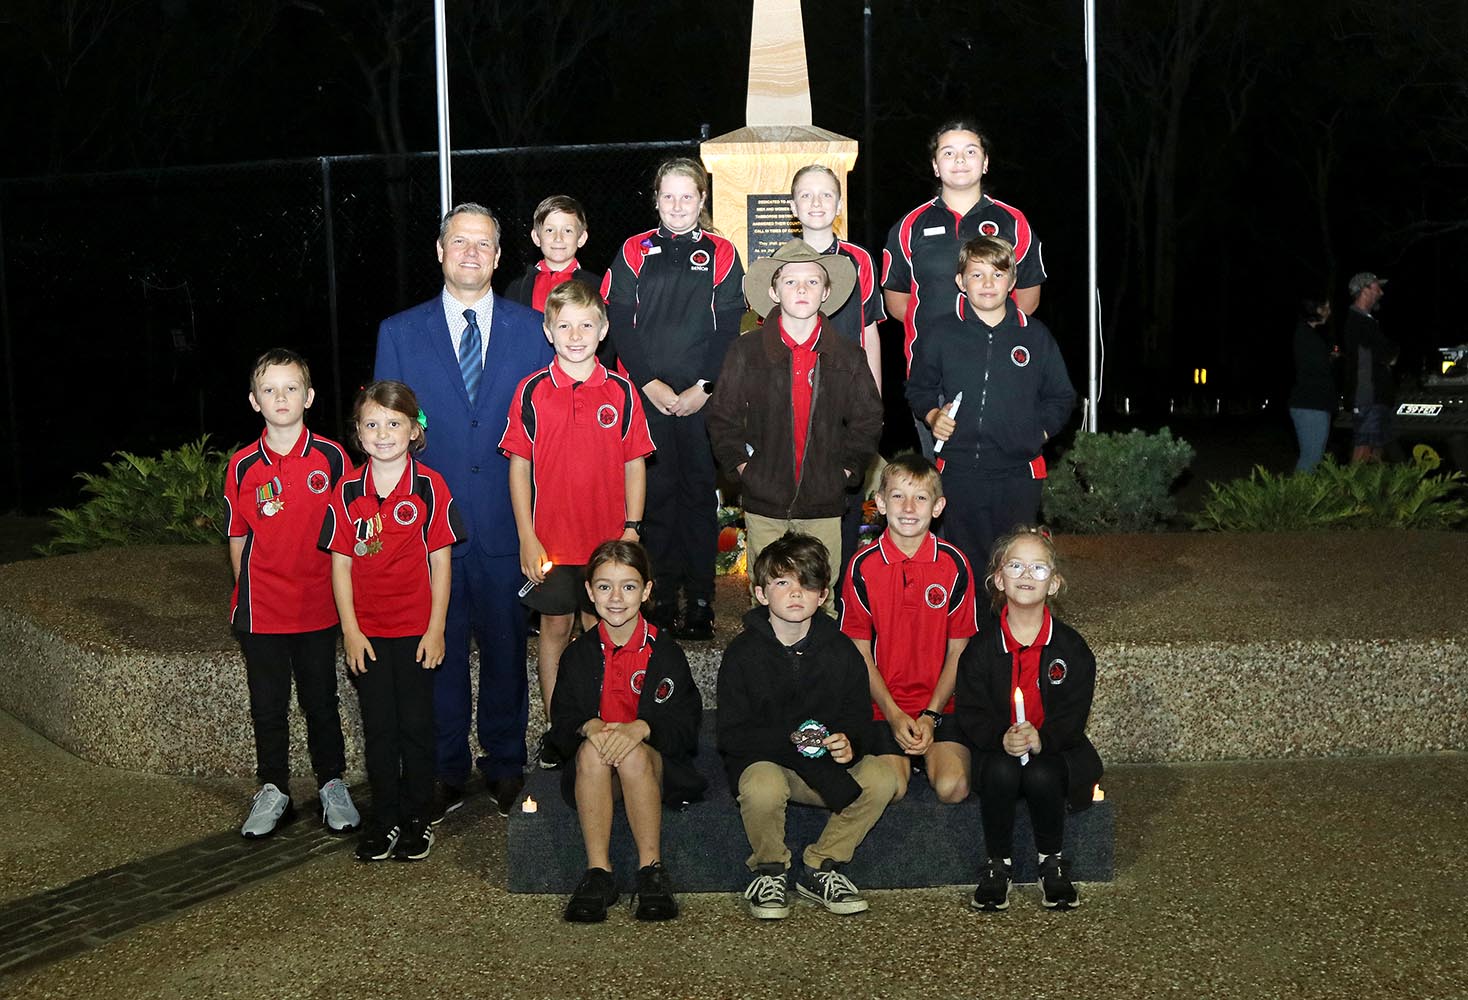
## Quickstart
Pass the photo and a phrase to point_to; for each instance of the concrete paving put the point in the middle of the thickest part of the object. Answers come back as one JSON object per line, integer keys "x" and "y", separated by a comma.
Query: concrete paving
{"x": 1326, "y": 878}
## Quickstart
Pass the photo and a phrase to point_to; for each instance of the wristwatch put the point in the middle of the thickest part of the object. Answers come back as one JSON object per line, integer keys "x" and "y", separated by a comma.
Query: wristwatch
{"x": 707, "y": 384}
{"x": 937, "y": 717}
{"x": 634, "y": 525}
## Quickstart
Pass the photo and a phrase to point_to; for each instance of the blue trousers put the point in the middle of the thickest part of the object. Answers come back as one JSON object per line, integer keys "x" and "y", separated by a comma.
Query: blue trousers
{"x": 1312, "y": 428}
{"x": 484, "y": 602}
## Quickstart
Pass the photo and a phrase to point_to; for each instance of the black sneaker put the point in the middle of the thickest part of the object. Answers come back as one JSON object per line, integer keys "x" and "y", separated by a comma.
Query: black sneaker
{"x": 1058, "y": 892}
{"x": 992, "y": 893}
{"x": 547, "y": 755}
{"x": 654, "y": 899}
{"x": 593, "y": 897}
{"x": 446, "y": 799}
{"x": 505, "y": 791}
{"x": 416, "y": 841}
{"x": 829, "y": 888}
{"x": 663, "y": 614}
{"x": 697, "y": 624}
{"x": 766, "y": 896}
{"x": 377, "y": 844}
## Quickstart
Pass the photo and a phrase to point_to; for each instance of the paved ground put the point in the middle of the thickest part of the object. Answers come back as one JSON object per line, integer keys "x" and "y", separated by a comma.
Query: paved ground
{"x": 1248, "y": 880}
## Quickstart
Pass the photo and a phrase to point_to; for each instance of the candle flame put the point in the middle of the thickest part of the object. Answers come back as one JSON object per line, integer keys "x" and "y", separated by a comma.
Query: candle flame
{"x": 529, "y": 805}
{"x": 1097, "y": 795}
{"x": 547, "y": 566}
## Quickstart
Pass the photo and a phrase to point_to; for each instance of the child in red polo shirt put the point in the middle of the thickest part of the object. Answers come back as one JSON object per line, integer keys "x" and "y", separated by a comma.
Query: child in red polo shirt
{"x": 1024, "y": 694}
{"x": 796, "y": 415}
{"x": 389, "y": 528}
{"x": 576, "y": 439}
{"x": 908, "y": 604}
{"x": 275, "y": 492}
{"x": 558, "y": 231}
{"x": 626, "y": 719}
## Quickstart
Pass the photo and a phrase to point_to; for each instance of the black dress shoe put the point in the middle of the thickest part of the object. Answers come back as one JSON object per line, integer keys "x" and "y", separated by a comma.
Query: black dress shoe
{"x": 505, "y": 791}
{"x": 697, "y": 623}
{"x": 662, "y": 614}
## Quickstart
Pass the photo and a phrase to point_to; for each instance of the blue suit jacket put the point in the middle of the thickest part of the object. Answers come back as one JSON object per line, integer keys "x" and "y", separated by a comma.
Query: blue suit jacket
{"x": 414, "y": 347}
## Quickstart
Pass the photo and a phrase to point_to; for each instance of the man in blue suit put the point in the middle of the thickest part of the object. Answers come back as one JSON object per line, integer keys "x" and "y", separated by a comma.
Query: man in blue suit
{"x": 463, "y": 352}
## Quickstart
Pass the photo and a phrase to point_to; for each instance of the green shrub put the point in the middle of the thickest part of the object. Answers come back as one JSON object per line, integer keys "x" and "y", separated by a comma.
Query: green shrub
{"x": 1116, "y": 482}
{"x": 141, "y": 500}
{"x": 1371, "y": 495}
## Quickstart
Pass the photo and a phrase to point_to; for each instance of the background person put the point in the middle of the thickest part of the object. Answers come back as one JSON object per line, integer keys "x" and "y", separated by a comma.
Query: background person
{"x": 1313, "y": 398}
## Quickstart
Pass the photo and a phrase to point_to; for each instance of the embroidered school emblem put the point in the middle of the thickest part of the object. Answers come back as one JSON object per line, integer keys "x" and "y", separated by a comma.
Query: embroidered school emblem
{"x": 936, "y": 595}
{"x": 699, "y": 259}
{"x": 317, "y": 481}
{"x": 1057, "y": 671}
{"x": 405, "y": 512}
{"x": 988, "y": 228}
{"x": 606, "y": 415}
{"x": 664, "y": 690}
{"x": 635, "y": 682}
{"x": 1020, "y": 356}
{"x": 810, "y": 378}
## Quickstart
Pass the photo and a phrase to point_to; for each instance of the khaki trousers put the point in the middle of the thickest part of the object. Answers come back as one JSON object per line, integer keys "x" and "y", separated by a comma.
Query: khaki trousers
{"x": 760, "y": 531}
{"x": 765, "y": 787}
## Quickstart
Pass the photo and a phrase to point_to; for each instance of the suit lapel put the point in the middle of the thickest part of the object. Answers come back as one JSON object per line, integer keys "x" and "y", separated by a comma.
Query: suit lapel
{"x": 442, "y": 347}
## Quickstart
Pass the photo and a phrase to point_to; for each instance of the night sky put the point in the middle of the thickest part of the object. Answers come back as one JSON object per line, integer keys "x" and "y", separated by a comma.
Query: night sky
{"x": 1251, "y": 152}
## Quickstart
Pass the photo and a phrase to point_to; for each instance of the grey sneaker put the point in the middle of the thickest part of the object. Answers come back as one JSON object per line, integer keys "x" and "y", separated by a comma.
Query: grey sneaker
{"x": 337, "y": 810}
{"x": 766, "y": 897}
{"x": 268, "y": 810}
{"x": 829, "y": 888}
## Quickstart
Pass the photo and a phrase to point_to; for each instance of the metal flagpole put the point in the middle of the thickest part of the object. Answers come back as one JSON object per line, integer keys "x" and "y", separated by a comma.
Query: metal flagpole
{"x": 1093, "y": 390}
{"x": 441, "y": 65}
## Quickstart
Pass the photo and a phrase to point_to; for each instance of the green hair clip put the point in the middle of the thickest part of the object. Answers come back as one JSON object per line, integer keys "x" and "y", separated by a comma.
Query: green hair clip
{"x": 423, "y": 420}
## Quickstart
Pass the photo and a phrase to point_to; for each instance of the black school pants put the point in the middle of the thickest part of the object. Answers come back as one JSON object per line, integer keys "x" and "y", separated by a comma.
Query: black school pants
{"x": 981, "y": 509}
{"x": 396, "y": 695}
{"x": 1003, "y": 781}
{"x": 681, "y": 519}
{"x": 271, "y": 660}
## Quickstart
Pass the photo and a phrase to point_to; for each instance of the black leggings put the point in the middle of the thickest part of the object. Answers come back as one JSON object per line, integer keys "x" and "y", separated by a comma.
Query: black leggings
{"x": 396, "y": 694}
{"x": 1003, "y": 781}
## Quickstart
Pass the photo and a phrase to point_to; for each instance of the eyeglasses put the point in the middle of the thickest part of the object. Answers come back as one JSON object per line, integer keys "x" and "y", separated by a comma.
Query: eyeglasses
{"x": 1014, "y": 569}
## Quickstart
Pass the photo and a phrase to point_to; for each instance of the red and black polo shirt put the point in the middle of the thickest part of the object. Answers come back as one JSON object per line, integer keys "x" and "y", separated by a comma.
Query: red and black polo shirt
{"x": 909, "y": 607}
{"x": 546, "y": 279}
{"x": 578, "y": 438}
{"x": 921, "y": 256}
{"x": 625, "y": 671}
{"x": 391, "y": 588}
{"x": 276, "y": 502}
{"x": 864, "y": 308}
{"x": 1024, "y": 674}
{"x": 803, "y": 358}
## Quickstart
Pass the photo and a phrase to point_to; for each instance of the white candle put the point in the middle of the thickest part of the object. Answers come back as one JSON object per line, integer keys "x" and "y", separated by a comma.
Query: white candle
{"x": 952, "y": 415}
{"x": 1019, "y": 717}
{"x": 1097, "y": 795}
{"x": 529, "y": 805}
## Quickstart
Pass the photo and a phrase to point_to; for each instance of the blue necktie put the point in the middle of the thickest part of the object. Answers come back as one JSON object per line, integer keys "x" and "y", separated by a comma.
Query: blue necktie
{"x": 470, "y": 364}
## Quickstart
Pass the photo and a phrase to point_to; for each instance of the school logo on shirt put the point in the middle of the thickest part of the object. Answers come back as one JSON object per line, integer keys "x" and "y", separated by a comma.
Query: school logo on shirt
{"x": 635, "y": 681}
{"x": 936, "y": 595}
{"x": 405, "y": 512}
{"x": 699, "y": 260}
{"x": 810, "y": 377}
{"x": 1057, "y": 671}
{"x": 1020, "y": 356}
{"x": 606, "y": 415}
{"x": 664, "y": 690}
{"x": 317, "y": 481}
{"x": 988, "y": 228}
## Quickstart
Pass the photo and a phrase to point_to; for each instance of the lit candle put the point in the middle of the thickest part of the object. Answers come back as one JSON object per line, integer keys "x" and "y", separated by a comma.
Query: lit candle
{"x": 1097, "y": 795}
{"x": 529, "y": 805}
{"x": 1019, "y": 718}
{"x": 530, "y": 585}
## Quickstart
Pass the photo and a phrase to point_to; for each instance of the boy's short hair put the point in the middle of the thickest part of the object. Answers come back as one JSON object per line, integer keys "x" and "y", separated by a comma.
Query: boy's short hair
{"x": 915, "y": 467}
{"x": 280, "y": 356}
{"x": 815, "y": 168}
{"x": 390, "y": 394}
{"x": 559, "y": 203}
{"x": 794, "y": 554}
{"x": 573, "y": 293}
{"x": 997, "y": 253}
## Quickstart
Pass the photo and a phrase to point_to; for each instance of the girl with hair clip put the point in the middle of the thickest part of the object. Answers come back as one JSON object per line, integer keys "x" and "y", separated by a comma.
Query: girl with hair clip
{"x": 1023, "y": 697}
{"x": 674, "y": 302}
{"x": 389, "y": 530}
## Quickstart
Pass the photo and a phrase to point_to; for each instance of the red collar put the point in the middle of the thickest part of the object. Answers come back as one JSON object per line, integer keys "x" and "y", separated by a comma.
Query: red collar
{"x": 300, "y": 449}
{"x": 643, "y": 634}
{"x": 927, "y": 552}
{"x": 561, "y": 380}
{"x": 1009, "y": 643}
{"x": 810, "y": 342}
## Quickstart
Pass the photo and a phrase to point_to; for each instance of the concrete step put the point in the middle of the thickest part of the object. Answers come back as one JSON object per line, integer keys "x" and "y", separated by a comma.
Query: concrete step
{"x": 918, "y": 841}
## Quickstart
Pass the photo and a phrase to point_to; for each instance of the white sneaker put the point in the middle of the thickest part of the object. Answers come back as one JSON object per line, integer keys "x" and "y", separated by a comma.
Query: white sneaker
{"x": 268, "y": 809}
{"x": 337, "y": 810}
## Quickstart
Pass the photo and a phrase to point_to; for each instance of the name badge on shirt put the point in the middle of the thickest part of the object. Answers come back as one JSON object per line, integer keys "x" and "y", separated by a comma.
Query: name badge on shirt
{"x": 650, "y": 251}
{"x": 934, "y": 231}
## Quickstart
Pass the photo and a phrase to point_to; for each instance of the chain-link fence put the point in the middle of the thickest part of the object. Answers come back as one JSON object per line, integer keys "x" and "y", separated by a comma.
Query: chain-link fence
{"x": 132, "y": 304}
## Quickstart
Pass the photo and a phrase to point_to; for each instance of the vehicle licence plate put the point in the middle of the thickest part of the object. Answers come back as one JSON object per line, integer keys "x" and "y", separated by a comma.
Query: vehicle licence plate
{"x": 1419, "y": 409}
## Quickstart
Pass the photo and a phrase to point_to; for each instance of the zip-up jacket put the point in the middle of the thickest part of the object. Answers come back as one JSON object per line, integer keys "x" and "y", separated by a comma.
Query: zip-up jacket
{"x": 1067, "y": 683}
{"x": 1014, "y": 384}
{"x": 767, "y": 689}
{"x": 669, "y": 703}
{"x": 674, "y": 305}
{"x": 753, "y": 408}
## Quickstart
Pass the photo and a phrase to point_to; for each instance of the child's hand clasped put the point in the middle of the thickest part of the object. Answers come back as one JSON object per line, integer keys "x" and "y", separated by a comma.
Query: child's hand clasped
{"x": 1021, "y": 739}
{"x": 615, "y": 740}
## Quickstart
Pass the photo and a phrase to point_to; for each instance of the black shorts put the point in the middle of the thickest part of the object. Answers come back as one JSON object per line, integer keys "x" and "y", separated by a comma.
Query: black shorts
{"x": 880, "y": 740}
{"x": 562, "y": 593}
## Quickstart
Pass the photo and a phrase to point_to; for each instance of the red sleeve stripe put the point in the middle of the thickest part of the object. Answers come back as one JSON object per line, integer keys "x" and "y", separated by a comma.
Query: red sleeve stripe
{"x": 723, "y": 257}
{"x": 866, "y": 278}
{"x": 1022, "y": 235}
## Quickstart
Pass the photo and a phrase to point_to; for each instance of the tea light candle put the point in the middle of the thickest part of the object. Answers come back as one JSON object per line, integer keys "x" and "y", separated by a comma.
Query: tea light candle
{"x": 529, "y": 805}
